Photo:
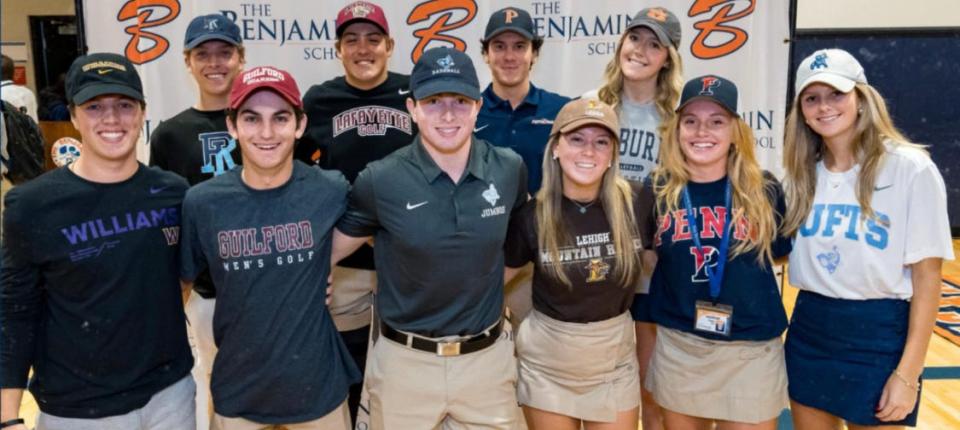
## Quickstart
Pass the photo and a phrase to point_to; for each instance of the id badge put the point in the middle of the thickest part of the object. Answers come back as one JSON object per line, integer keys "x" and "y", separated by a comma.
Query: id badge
{"x": 713, "y": 318}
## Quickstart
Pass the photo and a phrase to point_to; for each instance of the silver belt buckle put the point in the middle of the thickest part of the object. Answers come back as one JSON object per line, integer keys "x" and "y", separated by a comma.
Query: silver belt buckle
{"x": 448, "y": 349}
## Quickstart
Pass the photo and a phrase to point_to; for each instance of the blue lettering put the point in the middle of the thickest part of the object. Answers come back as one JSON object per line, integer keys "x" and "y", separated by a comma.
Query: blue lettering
{"x": 833, "y": 218}
{"x": 876, "y": 235}
{"x": 812, "y": 226}
{"x": 143, "y": 221}
{"x": 854, "y": 220}
{"x": 217, "y": 147}
{"x": 75, "y": 233}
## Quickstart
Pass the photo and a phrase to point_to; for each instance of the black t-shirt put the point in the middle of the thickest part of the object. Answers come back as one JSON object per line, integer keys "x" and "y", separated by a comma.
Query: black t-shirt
{"x": 280, "y": 359}
{"x": 91, "y": 293}
{"x": 347, "y": 128}
{"x": 195, "y": 144}
{"x": 589, "y": 262}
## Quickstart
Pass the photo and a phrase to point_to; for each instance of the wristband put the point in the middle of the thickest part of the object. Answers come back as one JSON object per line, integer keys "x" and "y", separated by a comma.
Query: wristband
{"x": 11, "y": 423}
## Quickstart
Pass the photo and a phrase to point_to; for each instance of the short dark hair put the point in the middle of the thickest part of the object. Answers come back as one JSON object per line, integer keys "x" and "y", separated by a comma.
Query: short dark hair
{"x": 534, "y": 43}
{"x": 7, "y": 68}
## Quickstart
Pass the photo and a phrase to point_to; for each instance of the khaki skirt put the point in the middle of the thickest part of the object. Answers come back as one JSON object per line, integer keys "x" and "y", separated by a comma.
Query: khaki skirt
{"x": 586, "y": 371}
{"x": 741, "y": 381}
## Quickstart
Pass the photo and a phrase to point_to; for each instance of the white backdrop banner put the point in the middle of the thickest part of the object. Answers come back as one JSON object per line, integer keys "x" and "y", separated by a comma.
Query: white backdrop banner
{"x": 743, "y": 40}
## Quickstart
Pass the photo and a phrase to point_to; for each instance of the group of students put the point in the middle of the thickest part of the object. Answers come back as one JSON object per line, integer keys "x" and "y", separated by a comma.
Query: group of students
{"x": 651, "y": 229}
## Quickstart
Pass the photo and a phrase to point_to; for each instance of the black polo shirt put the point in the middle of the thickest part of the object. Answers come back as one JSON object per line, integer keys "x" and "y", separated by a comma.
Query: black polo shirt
{"x": 439, "y": 244}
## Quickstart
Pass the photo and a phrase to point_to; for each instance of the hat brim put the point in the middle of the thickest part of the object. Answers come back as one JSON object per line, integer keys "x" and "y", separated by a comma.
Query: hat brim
{"x": 295, "y": 102}
{"x": 208, "y": 37}
{"x": 526, "y": 34}
{"x": 841, "y": 83}
{"x": 583, "y": 122}
{"x": 441, "y": 85}
{"x": 656, "y": 28}
{"x": 710, "y": 99}
{"x": 96, "y": 90}
{"x": 343, "y": 27}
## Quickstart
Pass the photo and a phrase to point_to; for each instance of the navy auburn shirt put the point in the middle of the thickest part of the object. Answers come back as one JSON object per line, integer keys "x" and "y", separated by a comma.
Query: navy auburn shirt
{"x": 680, "y": 279}
{"x": 525, "y": 129}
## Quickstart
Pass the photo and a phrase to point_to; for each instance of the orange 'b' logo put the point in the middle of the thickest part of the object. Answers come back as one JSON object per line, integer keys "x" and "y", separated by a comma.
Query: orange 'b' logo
{"x": 717, "y": 23}
{"x": 510, "y": 14}
{"x": 143, "y": 11}
{"x": 657, "y": 14}
{"x": 444, "y": 12}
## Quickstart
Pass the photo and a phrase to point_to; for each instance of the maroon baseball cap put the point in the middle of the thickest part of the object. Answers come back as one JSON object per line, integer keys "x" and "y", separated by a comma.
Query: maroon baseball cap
{"x": 361, "y": 11}
{"x": 265, "y": 77}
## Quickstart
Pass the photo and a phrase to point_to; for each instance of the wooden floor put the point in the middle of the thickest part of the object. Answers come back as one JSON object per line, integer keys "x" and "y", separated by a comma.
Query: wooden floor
{"x": 940, "y": 404}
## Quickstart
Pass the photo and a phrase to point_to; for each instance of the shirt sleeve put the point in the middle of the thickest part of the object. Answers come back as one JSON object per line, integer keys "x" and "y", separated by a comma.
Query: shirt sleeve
{"x": 361, "y": 219}
{"x": 192, "y": 259}
{"x": 522, "y": 195}
{"x": 646, "y": 215}
{"x": 519, "y": 248}
{"x": 20, "y": 295}
{"x": 928, "y": 227}
{"x": 156, "y": 153}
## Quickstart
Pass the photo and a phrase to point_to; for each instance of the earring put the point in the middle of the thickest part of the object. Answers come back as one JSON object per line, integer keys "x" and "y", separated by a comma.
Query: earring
{"x": 609, "y": 164}
{"x": 555, "y": 156}
{"x": 860, "y": 110}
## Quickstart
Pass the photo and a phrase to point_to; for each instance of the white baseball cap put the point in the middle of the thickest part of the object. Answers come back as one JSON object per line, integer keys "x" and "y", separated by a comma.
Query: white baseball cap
{"x": 834, "y": 67}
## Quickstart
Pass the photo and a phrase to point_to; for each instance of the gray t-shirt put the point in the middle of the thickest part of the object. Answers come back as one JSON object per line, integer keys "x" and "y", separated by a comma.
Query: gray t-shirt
{"x": 280, "y": 359}
{"x": 639, "y": 140}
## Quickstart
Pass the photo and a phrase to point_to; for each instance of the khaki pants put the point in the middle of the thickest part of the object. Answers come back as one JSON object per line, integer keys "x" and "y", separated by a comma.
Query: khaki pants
{"x": 338, "y": 419}
{"x": 412, "y": 389}
{"x": 170, "y": 409}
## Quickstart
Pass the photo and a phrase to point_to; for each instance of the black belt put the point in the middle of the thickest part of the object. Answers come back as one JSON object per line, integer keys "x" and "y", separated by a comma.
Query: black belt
{"x": 444, "y": 349}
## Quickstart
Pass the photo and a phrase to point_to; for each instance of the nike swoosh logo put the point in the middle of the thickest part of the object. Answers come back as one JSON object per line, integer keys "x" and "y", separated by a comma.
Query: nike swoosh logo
{"x": 402, "y": 92}
{"x": 154, "y": 190}
{"x": 477, "y": 130}
{"x": 882, "y": 188}
{"x": 412, "y": 207}
{"x": 104, "y": 71}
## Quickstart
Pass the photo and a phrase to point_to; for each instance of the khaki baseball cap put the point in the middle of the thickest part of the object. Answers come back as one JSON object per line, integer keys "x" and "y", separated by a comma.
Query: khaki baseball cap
{"x": 588, "y": 111}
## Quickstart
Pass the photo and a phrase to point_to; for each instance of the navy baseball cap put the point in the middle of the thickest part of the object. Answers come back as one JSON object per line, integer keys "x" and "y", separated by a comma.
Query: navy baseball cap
{"x": 663, "y": 23}
{"x": 102, "y": 73}
{"x": 444, "y": 70}
{"x": 510, "y": 19}
{"x": 215, "y": 26}
{"x": 710, "y": 87}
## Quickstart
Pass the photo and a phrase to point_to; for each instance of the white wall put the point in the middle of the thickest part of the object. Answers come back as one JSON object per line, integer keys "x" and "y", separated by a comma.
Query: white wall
{"x": 813, "y": 14}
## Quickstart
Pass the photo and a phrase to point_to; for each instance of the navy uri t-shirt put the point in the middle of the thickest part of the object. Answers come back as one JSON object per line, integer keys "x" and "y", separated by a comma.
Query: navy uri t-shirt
{"x": 680, "y": 279}
{"x": 280, "y": 359}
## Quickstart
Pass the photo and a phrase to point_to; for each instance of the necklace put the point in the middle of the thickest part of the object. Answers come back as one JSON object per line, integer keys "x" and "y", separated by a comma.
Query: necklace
{"x": 583, "y": 207}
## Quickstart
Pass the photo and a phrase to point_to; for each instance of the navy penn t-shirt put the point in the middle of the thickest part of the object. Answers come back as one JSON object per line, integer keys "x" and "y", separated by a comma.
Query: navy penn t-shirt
{"x": 680, "y": 279}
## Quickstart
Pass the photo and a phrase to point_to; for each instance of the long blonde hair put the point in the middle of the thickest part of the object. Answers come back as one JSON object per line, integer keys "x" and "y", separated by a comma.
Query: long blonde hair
{"x": 616, "y": 196}
{"x": 669, "y": 83}
{"x": 751, "y": 191}
{"x": 803, "y": 148}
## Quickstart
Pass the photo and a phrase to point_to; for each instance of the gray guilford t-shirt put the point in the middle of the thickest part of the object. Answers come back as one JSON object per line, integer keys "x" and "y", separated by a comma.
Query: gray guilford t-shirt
{"x": 439, "y": 244}
{"x": 280, "y": 359}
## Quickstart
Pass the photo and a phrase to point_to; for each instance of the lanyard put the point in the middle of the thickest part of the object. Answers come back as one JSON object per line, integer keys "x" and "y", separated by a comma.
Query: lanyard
{"x": 715, "y": 276}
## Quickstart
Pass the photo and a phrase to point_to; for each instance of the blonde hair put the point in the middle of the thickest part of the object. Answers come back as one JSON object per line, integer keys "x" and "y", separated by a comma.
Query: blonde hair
{"x": 669, "y": 83}
{"x": 751, "y": 192}
{"x": 616, "y": 196}
{"x": 803, "y": 148}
